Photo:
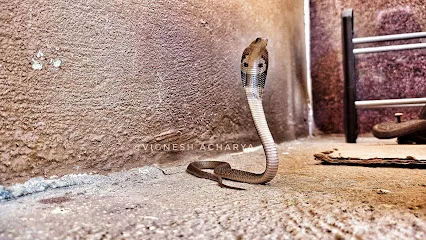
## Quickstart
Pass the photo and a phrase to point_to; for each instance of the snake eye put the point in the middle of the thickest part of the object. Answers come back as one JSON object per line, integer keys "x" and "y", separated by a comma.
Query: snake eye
{"x": 260, "y": 65}
{"x": 257, "y": 40}
{"x": 245, "y": 64}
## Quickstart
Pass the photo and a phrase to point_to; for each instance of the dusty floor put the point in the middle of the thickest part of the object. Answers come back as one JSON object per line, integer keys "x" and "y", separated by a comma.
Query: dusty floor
{"x": 305, "y": 201}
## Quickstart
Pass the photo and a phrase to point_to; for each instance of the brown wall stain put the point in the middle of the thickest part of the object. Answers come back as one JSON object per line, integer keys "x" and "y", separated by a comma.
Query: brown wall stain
{"x": 381, "y": 75}
{"x": 138, "y": 72}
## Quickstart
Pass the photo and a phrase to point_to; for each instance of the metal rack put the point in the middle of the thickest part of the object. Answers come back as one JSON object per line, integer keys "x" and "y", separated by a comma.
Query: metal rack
{"x": 350, "y": 103}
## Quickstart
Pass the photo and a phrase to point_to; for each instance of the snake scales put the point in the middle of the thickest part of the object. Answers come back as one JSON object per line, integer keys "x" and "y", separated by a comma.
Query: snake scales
{"x": 254, "y": 67}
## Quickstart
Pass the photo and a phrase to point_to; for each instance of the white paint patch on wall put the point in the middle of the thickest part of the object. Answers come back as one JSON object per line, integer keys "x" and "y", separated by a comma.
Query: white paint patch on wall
{"x": 38, "y": 62}
{"x": 39, "y": 54}
{"x": 36, "y": 65}
{"x": 56, "y": 62}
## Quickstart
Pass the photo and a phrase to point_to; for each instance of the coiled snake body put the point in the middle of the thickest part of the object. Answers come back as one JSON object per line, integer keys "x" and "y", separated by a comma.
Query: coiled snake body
{"x": 254, "y": 67}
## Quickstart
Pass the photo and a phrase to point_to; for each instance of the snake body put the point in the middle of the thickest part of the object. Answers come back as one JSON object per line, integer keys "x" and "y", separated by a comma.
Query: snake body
{"x": 254, "y": 67}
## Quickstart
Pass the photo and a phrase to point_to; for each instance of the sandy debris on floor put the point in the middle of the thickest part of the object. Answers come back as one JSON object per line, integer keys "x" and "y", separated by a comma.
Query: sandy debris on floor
{"x": 306, "y": 200}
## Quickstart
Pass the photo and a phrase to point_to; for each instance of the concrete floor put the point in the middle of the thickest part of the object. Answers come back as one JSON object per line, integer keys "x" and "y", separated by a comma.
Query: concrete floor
{"x": 305, "y": 201}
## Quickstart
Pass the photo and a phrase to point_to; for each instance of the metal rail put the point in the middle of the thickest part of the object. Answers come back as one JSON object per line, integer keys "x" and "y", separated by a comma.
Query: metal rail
{"x": 350, "y": 117}
{"x": 386, "y": 103}
{"x": 393, "y": 106}
{"x": 392, "y": 37}
{"x": 389, "y": 48}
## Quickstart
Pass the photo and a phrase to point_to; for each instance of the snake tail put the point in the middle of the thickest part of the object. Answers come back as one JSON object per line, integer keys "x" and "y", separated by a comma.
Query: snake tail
{"x": 194, "y": 168}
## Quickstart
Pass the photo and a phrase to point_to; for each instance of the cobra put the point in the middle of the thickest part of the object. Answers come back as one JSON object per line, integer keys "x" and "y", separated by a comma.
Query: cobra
{"x": 254, "y": 67}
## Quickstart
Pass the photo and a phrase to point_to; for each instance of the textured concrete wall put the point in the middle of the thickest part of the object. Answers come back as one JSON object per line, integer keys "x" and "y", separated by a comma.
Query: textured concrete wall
{"x": 381, "y": 75}
{"x": 85, "y": 85}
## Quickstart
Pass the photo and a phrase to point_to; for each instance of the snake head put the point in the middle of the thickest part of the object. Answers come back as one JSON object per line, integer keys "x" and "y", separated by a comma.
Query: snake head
{"x": 254, "y": 64}
{"x": 260, "y": 42}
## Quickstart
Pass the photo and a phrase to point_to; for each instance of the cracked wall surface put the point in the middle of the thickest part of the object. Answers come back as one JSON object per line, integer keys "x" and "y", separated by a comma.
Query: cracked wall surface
{"x": 386, "y": 75}
{"x": 92, "y": 86}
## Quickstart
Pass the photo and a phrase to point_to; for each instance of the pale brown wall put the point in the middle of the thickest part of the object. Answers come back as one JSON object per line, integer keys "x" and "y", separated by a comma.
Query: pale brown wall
{"x": 137, "y": 72}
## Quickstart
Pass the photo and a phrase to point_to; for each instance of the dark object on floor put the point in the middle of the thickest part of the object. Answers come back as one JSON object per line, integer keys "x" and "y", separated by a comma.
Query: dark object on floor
{"x": 408, "y": 162}
{"x": 409, "y": 132}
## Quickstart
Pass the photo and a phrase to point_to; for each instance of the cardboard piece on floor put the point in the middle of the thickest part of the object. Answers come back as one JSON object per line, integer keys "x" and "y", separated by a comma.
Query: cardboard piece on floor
{"x": 379, "y": 153}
